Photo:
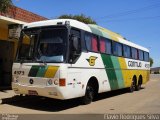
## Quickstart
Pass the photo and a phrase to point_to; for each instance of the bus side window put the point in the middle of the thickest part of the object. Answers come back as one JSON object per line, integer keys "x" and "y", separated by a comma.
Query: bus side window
{"x": 91, "y": 42}
{"x": 105, "y": 46}
{"x": 127, "y": 51}
{"x": 94, "y": 44}
{"x": 102, "y": 45}
{"x": 76, "y": 34}
{"x": 108, "y": 46}
{"x": 140, "y": 55}
{"x": 134, "y": 53}
{"x": 146, "y": 56}
{"x": 75, "y": 45}
{"x": 88, "y": 39}
{"x": 117, "y": 49}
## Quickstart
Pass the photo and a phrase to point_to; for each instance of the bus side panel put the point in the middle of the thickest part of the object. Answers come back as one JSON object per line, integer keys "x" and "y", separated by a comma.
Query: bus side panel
{"x": 78, "y": 79}
{"x": 135, "y": 68}
{"x": 81, "y": 72}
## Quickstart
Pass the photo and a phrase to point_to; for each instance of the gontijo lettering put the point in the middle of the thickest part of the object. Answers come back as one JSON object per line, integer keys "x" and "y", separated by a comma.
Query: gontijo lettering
{"x": 134, "y": 64}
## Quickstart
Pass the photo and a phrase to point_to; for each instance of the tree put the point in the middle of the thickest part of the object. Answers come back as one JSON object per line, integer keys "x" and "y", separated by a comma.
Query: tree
{"x": 81, "y": 18}
{"x": 4, "y": 5}
{"x": 151, "y": 62}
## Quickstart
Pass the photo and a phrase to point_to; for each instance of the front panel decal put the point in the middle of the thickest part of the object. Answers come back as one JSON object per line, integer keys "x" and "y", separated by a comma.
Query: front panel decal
{"x": 33, "y": 71}
{"x": 51, "y": 71}
{"x": 43, "y": 71}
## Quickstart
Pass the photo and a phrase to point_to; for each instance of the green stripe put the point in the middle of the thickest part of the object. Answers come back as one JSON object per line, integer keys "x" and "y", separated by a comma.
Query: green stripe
{"x": 118, "y": 72}
{"x": 110, "y": 71}
{"x": 42, "y": 70}
{"x": 33, "y": 71}
{"x": 95, "y": 31}
{"x": 99, "y": 30}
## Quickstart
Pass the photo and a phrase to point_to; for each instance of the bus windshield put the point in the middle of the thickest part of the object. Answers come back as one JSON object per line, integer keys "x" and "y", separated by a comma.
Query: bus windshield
{"x": 52, "y": 45}
{"x": 47, "y": 45}
{"x": 27, "y": 46}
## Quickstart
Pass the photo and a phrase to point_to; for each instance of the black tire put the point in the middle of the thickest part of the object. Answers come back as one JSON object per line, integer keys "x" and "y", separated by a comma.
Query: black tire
{"x": 89, "y": 95}
{"x": 132, "y": 87}
{"x": 138, "y": 87}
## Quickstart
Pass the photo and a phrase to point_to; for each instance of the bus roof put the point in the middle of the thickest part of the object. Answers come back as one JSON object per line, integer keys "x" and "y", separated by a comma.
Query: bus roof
{"x": 89, "y": 28}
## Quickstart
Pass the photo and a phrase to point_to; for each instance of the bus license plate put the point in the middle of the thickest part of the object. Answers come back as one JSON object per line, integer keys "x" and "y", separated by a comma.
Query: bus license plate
{"x": 32, "y": 92}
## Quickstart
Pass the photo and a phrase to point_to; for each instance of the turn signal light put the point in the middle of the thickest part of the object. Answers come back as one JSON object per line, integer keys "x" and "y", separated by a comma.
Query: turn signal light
{"x": 62, "y": 82}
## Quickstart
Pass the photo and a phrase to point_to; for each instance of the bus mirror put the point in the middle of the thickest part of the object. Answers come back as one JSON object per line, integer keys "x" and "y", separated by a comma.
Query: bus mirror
{"x": 74, "y": 40}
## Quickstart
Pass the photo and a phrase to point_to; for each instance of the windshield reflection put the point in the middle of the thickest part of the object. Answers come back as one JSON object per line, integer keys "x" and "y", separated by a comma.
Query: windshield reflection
{"x": 48, "y": 45}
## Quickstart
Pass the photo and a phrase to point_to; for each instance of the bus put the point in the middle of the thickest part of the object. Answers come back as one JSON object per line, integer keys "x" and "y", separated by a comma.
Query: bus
{"x": 65, "y": 58}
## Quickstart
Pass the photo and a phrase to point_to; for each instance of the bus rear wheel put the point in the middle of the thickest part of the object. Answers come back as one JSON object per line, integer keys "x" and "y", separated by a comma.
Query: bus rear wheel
{"x": 138, "y": 87}
{"x": 133, "y": 86}
{"x": 89, "y": 95}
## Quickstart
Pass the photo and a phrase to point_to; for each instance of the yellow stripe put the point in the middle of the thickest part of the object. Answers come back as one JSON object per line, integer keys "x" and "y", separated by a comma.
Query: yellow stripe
{"x": 128, "y": 74}
{"x": 114, "y": 36}
{"x": 125, "y": 72}
{"x": 51, "y": 71}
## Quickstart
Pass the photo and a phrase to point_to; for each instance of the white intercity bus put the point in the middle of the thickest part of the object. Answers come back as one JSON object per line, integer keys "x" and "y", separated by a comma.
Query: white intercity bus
{"x": 66, "y": 59}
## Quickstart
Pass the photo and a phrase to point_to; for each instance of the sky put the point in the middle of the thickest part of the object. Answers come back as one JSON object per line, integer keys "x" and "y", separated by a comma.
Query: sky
{"x": 136, "y": 20}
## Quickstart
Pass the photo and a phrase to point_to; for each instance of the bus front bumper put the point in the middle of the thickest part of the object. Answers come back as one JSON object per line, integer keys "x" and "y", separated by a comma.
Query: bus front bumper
{"x": 51, "y": 92}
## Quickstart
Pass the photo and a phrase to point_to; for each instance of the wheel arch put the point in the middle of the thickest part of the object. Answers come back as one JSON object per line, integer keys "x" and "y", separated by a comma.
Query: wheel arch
{"x": 94, "y": 81}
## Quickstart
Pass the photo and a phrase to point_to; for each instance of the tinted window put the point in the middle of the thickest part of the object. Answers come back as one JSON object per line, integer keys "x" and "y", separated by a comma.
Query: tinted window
{"x": 77, "y": 37}
{"x": 88, "y": 40}
{"x": 91, "y": 42}
{"x": 105, "y": 46}
{"x": 117, "y": 49}
{"x": 102, "y": 45}
{"x": 127, "y": 51}
{"x": 140, "y": 55}
{"x": 94, "y": 44}
{"x": 134, "y": 53}
{"x": 108, "y": 46}
{"x": 146, "y": 56}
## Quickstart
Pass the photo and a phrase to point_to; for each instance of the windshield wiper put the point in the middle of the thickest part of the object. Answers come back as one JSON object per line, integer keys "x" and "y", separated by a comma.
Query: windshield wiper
{"x": 40, "y": 54}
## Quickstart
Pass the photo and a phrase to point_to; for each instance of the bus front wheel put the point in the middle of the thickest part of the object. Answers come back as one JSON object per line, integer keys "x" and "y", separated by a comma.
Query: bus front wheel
{"x": 89, "y": 95}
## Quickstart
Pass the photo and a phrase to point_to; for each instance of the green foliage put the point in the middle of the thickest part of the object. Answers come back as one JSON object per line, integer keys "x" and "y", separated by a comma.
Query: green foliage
{"x": 151, "y": 62}
{"x": 4, "y": 4}
{"x": 81, "y": 18}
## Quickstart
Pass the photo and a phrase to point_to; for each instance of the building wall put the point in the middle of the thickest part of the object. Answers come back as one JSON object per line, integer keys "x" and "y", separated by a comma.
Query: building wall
{"x": 8, "y": 46}
{"x": 18, "y": 14}
{"x": 155, "y": 71}
{"x": 22, "y": 15}
{"x": 3, "y": 33}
